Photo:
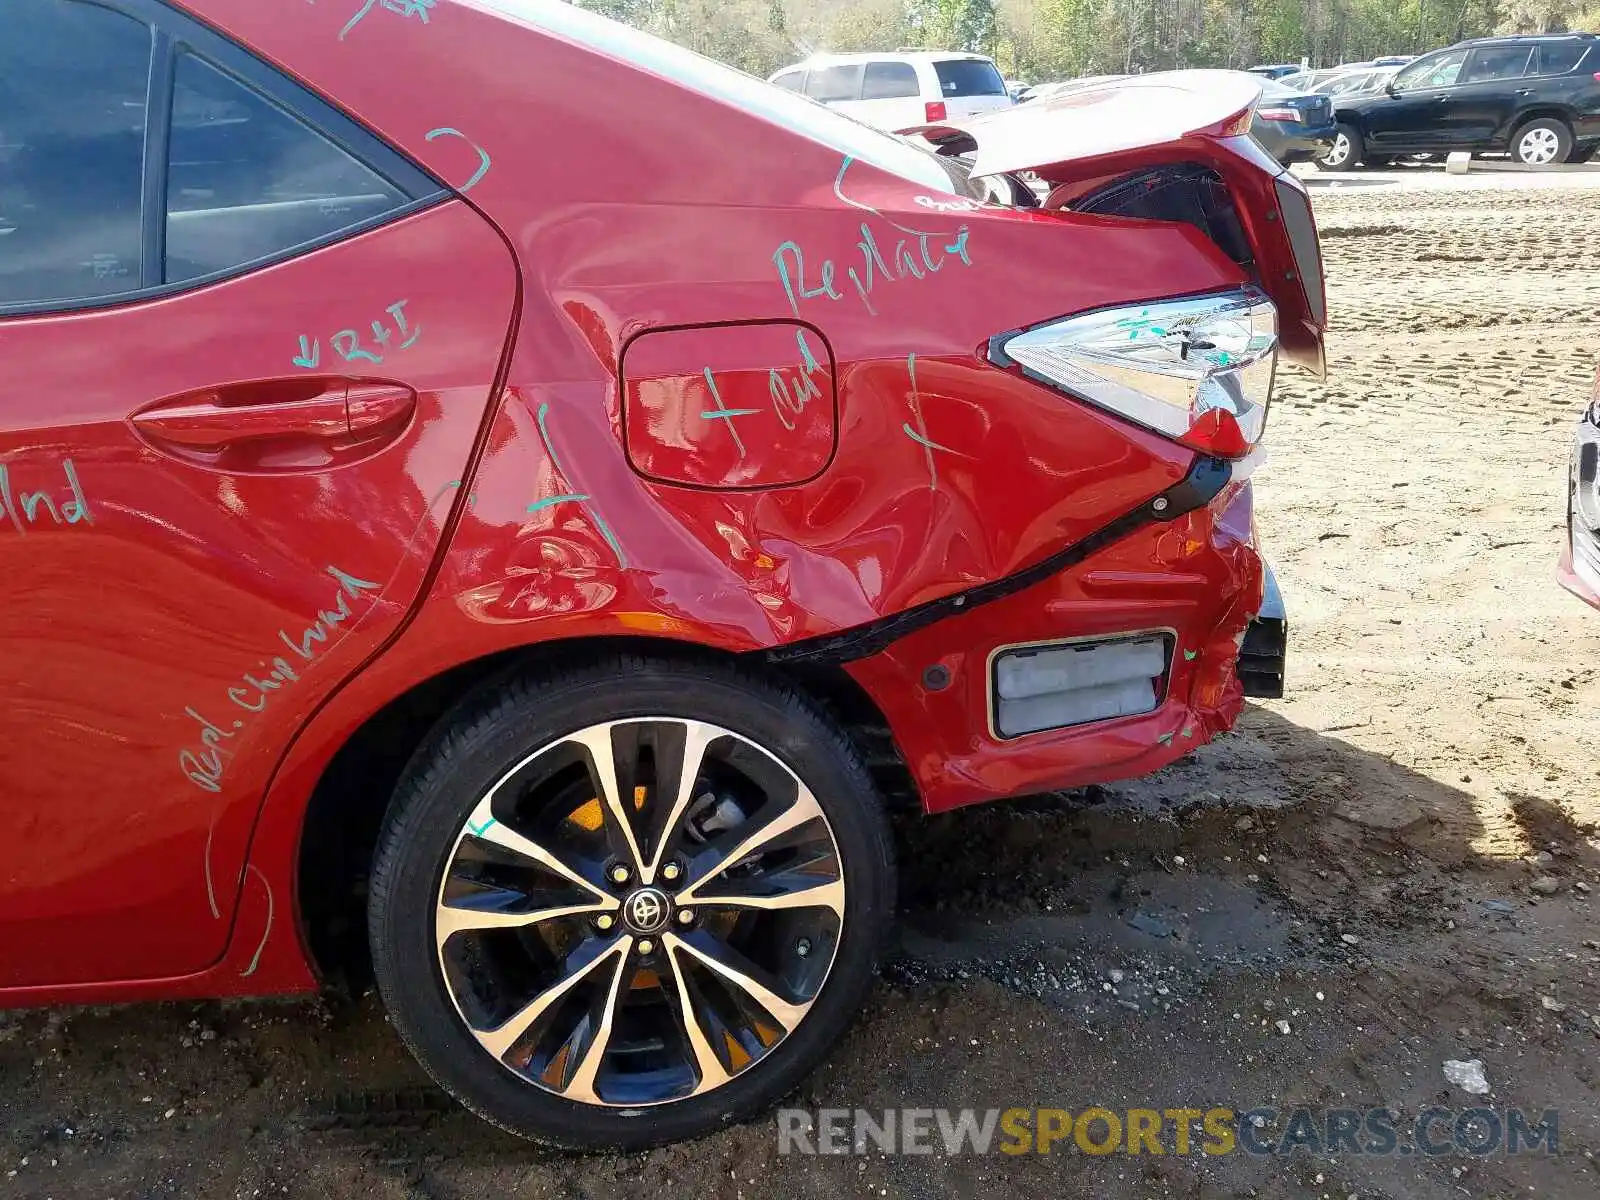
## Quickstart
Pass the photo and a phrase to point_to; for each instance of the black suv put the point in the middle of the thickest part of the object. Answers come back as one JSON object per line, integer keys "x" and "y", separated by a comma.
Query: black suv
{"x": 1537, "y": 97}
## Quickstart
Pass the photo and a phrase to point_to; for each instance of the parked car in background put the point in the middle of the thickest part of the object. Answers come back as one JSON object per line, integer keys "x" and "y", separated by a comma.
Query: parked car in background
{"x": 896, "y": 91}
{"x": 529, "y": 588}
{"x": 1350, "y": 83}
{"x": 1336, "y": 81}
{"x": 1276, "y": 70}
{"x": 1580, "y": 554}
{"x": 1294, "y": 126}
{"x": 1536, "y": 97}
{"x": 1308, "y": 81}
{"x": 1015, "y": 88}
{"x": 1044, "y": 91}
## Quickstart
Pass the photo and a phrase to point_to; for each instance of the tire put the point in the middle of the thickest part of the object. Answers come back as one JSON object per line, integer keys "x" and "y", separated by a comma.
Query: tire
{"x": 1582, "y": 154}
{"x": 1347, "y": 150}
{"x": 1542, "y": 141}
{"x": 506, "y": 768}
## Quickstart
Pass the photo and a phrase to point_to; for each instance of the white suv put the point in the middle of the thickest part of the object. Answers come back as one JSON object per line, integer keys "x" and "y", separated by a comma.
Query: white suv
{"x": 897, "y": 91}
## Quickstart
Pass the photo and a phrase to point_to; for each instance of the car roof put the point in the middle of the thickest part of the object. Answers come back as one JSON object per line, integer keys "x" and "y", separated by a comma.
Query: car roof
{"x": 1513, "y": 39}
{"x": 864, "y": 56}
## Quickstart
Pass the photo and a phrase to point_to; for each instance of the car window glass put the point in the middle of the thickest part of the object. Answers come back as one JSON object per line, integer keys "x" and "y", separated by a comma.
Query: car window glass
{"x": 790, "y": 80}
{"x": 969, "y": 77}
{"x": 1496, "y": 62}
{"x": 73, "y": 79}
{"x": 830, "y": 84}
{"x": 1558, "y": 59}
{"x": 247, "y": 181}
{"x": 889, "y": 81}
{"x": 1434, "y": 71}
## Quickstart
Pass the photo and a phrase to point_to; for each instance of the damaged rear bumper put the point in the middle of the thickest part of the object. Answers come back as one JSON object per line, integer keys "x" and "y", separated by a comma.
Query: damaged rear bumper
{"x": 1196, "y": 584}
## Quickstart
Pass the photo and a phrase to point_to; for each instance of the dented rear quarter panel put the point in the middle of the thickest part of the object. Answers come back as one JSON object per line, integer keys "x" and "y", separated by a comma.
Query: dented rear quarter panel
{"x": 634, "y": 204}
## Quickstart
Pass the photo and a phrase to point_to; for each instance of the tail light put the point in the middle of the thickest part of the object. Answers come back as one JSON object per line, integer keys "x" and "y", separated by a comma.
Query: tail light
{"x": 1197, "y": 370}
{"x": 1278, "y": 114}
{"x": 934, "y": 111}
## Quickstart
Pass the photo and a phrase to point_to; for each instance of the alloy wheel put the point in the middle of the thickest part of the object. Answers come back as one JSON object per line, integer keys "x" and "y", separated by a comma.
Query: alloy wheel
{"x": 639, "y": 912}
{"x": 1538, "y": 146}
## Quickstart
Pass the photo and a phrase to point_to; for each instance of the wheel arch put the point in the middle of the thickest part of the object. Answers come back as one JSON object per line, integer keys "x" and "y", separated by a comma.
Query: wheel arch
{"x": 1551, "y": 111}
{"x": 339, "y": 827}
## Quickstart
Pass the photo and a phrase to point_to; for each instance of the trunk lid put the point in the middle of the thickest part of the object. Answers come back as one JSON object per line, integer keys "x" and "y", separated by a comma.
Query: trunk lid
{"x": 1087, "y": 143}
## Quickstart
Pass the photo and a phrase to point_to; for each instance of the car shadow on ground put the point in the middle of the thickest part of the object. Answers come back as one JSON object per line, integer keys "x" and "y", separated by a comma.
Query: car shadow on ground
{"x": 1277, "y": 849}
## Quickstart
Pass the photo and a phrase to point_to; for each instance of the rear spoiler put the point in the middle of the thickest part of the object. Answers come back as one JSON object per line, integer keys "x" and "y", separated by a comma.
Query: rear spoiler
{"x": 1103, "y": 132}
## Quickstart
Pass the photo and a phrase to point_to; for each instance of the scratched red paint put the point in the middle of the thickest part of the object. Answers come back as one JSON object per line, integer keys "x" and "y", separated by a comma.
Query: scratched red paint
{"x": 531, "y": 497}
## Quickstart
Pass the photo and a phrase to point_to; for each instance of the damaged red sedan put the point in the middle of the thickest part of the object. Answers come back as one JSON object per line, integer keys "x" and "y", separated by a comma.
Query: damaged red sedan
{"x": 493, "y": 496}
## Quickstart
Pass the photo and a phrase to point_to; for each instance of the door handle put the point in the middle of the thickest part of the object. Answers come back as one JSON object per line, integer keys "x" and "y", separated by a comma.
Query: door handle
{"x": 278, "y": 424}
{"x": 209, "y": 422}
{"x": 1524, "y": 91}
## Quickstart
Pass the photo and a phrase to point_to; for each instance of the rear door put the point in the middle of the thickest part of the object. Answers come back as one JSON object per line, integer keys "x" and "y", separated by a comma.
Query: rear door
{"x": 837, "y": 85}
{"x": 245, "y": 352}
{"x": 969, "y": 86}
{"x": 891, "y": 97}
{"x": 1491, "y": 89}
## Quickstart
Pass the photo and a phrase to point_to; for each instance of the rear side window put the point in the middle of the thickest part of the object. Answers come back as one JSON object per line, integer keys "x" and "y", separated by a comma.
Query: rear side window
{"x": 790, "y": 81}
{"x": 889, "y": 81}
{"x": 247, "y": 181}
{"x": 830, "y": 84}
{"x": 1497, "y": 62}
{"x": 969, "y": 77}
{"x": 73, "y": 81}
{"x": 1558, "y": 58}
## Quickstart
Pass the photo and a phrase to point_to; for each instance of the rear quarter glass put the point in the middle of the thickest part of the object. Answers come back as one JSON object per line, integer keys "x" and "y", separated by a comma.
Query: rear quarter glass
{"x": 960, "y": 77}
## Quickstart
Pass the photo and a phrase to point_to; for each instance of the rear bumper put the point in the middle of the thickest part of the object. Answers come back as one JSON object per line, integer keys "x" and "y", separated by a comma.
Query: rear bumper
{"x": 1294, "y": 143}
{"x": 1198, "y": 580}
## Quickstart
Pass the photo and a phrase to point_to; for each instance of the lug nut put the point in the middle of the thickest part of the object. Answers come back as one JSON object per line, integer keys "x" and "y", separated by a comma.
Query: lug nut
{"x": 686, "y": 916}
{"x": 646, "y": 946}
{"x": 604, "y": 921}
{"x": 671, "y": 872}
{"x": 803, "y": 947}
{"x": 618, "y": 874}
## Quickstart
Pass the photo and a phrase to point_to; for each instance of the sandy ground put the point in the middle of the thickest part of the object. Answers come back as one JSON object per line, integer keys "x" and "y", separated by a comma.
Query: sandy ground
{"x": 1353, "y": 861}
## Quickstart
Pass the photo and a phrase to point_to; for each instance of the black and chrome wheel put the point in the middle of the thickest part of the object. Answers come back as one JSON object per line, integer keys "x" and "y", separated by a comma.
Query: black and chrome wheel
{"x": 632, "y": 904}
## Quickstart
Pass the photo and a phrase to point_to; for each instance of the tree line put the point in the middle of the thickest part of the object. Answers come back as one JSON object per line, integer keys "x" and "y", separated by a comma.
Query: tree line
{"x": 1042, "y": 40}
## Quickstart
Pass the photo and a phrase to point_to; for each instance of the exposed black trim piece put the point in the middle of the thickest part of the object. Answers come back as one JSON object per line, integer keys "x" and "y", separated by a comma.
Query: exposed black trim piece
{"x": 1265, "y": 646}
{"x": 157, "y": 137}
{"x": 1206, "y": 478}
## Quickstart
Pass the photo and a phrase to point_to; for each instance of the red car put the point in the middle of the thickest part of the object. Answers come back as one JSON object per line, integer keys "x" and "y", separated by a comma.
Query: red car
{"x": 491, "y": 494}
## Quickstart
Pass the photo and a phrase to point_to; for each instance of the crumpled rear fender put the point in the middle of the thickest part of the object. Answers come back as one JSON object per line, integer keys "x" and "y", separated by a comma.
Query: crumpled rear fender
{"x": 1199, "y": 577}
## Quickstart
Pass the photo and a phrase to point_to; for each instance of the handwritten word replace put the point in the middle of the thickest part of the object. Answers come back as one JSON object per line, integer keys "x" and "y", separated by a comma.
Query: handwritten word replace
{"x": 21, "y": 509}
{"x": 347, "y": 342}
{"x": 205, "y": 766}
{"x": 933, "y": 250}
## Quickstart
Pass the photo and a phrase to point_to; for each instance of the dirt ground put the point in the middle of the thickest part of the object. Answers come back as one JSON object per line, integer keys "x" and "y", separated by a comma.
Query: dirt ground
{"x": 1356, "y": 860}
